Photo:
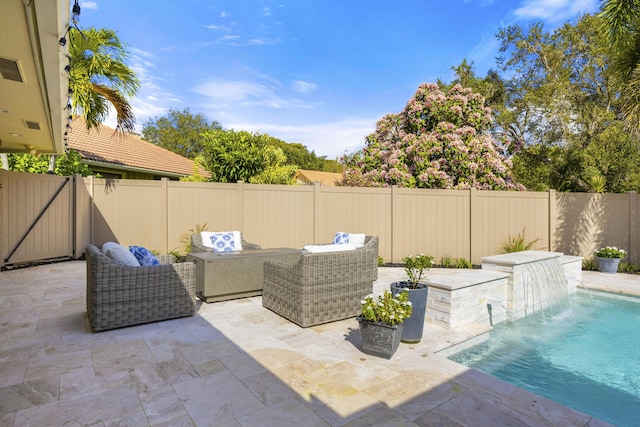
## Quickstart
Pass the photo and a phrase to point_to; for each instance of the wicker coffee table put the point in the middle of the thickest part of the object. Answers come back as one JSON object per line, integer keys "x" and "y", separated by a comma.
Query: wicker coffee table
{"x": 228, "y": 275}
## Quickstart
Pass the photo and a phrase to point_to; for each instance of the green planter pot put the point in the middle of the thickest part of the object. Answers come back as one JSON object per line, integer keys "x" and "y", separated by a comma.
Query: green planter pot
{"x": 608, "y": 265}
{"x": 379, "y": 339}
{"x": 413, "y": 326}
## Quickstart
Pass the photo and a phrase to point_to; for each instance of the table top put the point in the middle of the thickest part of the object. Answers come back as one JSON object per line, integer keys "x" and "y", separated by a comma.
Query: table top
{"x": 245, "y": 253}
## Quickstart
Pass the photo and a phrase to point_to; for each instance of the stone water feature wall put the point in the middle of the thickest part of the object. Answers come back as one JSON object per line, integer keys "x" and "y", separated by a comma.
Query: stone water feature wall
{"x": 500, "y": 291}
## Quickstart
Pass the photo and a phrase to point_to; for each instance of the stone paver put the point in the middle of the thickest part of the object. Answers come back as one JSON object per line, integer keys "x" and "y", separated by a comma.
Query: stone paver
{"x": 238, "y": 364}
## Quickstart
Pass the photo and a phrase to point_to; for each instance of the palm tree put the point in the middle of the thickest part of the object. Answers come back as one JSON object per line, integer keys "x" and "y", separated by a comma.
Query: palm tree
{"x": 99, "y": 77}
{"x": 621, "y": 26}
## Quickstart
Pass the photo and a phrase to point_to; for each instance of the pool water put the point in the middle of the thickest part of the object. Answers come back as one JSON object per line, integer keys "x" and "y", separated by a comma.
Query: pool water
{"x": 585, "y": 356}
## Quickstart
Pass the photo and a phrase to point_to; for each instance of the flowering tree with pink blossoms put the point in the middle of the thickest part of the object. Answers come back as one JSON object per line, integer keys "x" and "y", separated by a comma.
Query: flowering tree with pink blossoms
{"x": 439, "y": 140}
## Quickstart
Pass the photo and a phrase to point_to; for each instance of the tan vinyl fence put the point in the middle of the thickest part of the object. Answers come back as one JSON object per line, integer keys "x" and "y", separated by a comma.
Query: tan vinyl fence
{"x": 36, "y": 217}
{"x": 466, "y": 224}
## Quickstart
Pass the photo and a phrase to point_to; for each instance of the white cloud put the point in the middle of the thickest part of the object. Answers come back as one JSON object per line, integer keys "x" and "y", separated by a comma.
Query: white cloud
{"x": 223, "y": 14}
{"x": 267, "y": 11}
{"x": 331, "y": 139}
{"x": 303, "y": 87}
{"x": 88, "y": 5}
{"x": 217, "y": 27}
{"x": 226, "y": 94}
{"x": 554, "y": 10}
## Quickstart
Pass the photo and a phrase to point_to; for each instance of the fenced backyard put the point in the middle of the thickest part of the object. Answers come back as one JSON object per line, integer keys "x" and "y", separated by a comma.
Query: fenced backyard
{"x": 47, "y": 217}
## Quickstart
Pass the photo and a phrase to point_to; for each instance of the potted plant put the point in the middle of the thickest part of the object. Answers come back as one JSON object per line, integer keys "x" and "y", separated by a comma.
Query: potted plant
{"x": 415, "y": 266}
{"x": 381, "y": 322}
{"x": 608, "y": 258}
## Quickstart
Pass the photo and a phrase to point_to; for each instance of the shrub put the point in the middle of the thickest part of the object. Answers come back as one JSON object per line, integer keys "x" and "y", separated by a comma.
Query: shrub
{"x": 628, "y": 267}
{"x": 415, "y": 266}
{"x": 610, "y": 252}
{"x": 185, "y": 240}
{"x": 589, "y": 264}
{"x": 518, "y": 243}
{"x": 462, "y": 263}
{"x": 449, "y": 262}
{"x": 386, "y": 308}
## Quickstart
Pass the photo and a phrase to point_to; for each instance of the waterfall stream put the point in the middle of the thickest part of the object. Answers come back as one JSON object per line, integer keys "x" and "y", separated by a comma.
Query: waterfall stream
{"x": 545, "y": 286}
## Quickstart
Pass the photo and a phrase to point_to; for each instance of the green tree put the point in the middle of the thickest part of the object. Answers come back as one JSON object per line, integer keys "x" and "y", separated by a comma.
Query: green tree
{"x": 560, "y": 100}
{"x": 620, "y": 22}
{"x": 298, "y": 154}
{"x": 99, "y": 77}
{"x": 179, "y": 131}
{"x": 275, "y": 171}
{"x": 196, "y": 176}
{"x": 65, "y": 165}
{"x": 232, "y": 156}
{"x": 439, "y": 140}
{"x": 29, "y": 163}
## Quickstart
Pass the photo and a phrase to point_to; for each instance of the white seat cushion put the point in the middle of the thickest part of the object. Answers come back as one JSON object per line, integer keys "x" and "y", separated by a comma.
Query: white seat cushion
{"x": 314, "y": 249}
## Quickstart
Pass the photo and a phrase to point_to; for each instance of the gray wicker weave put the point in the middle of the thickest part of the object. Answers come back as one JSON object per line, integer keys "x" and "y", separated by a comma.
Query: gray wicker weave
{"x": 197, "y": 246}
{"x": 321, "y": 287}
{"x": 119, "y": 295}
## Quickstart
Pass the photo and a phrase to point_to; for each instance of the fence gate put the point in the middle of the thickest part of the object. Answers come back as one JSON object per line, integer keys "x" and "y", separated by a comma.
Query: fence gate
{"x": 36, "y": 217}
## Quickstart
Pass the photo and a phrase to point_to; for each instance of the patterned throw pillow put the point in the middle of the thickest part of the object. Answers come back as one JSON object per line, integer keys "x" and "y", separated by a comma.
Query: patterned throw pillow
{"x": 341, "y": 238}
{"x": 144, "y": 256}
{"x": 223, "y": 242}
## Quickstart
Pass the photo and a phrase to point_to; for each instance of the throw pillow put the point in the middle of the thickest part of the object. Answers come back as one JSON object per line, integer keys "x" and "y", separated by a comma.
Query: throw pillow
{"x": 209, "y": 237}
{"x": 223, "y": 242}
{"x": 120, "y": 254}
{"x": 341, "y": 238}
{"x": 356, "y": 238}
{"x": 316, "y": 249}
{"x": 144, "y": 256}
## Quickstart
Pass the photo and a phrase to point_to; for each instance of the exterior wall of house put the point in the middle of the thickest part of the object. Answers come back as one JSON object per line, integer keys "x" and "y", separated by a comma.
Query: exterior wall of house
{"x": 113, "y": 173}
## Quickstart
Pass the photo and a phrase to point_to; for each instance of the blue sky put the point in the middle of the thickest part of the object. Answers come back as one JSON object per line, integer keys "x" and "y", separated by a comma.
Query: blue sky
{"x": 316, "y": 72}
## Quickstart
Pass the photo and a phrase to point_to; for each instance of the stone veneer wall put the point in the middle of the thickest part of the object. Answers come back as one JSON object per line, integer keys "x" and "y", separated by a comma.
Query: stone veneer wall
{"x": 493, "y": 294}
{"x": 460, "y": 298}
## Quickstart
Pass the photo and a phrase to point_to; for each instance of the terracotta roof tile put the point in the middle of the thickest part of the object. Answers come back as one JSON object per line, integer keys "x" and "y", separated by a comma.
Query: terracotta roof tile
{"x": 328, "y": 179}
{"x": 107, "y": 146}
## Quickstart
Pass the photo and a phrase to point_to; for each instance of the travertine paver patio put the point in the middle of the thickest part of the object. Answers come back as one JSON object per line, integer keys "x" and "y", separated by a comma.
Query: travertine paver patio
{"x": 235, "y": 364}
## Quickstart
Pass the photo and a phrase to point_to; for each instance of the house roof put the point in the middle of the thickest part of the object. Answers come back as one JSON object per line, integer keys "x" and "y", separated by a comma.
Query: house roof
{"x": 323, "y": 178}
{"x": 106, "y": 147}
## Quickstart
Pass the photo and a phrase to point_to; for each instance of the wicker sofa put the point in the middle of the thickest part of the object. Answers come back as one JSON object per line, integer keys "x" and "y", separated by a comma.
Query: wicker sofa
{"x": 321, "y": 287}
{"x": 197, "y": 246}
{"x": 119, "y": 296}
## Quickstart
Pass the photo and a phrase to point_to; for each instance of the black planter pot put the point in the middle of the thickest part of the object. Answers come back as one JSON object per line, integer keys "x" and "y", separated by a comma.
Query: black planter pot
{"x": 413, "y": 326}
{"x": 379, "y": 339}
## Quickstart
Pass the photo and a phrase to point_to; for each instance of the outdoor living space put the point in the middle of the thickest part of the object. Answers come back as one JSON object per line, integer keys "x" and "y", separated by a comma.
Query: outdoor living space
{"x": 236, "y": 363}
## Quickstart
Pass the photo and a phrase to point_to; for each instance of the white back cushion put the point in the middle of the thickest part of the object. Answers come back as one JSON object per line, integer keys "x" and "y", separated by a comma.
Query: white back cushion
{"x": 357, "y": 239}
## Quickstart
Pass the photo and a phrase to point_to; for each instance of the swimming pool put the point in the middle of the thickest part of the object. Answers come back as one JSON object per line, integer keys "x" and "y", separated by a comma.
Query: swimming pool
{"x": 585, "y": 356}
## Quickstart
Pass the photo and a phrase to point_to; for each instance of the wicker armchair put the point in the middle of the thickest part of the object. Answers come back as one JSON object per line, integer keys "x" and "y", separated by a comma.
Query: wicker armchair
{"x": 197, "y": 246}
{"x": 119, "y": 295}
{"x": 321, "y": 287}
